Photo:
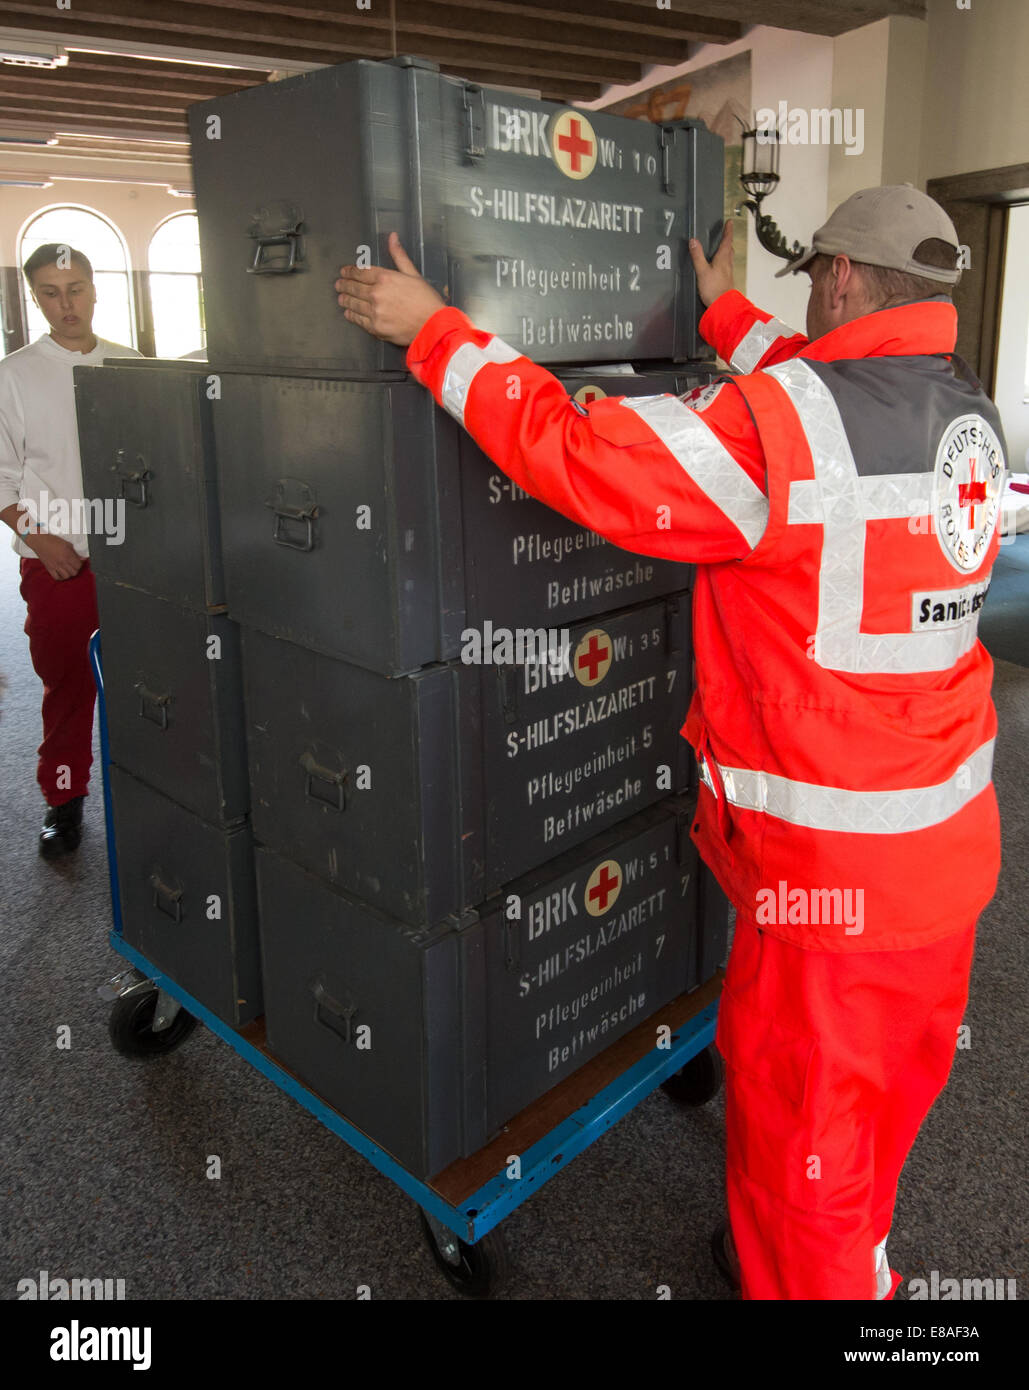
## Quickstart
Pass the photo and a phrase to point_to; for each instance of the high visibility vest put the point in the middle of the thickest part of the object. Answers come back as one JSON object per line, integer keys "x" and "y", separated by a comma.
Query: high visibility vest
{"x": 842, "y": 715}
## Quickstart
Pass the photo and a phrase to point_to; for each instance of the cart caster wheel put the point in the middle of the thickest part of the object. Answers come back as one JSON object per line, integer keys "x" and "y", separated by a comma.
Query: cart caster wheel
{"x": 477, "y": 1271}
{"x": 700, "y": 1079}
{"x": 131, "y": 1027}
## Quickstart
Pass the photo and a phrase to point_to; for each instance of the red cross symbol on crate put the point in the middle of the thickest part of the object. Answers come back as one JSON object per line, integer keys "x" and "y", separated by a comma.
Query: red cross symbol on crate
{"x": 593, "y": 657}
{"x": 602, "y": 887}
{"x": 574, "y": 145}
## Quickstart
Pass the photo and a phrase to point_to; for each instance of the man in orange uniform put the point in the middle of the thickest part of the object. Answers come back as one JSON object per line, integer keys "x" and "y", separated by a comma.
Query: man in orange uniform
{"x": 840, "y": 500}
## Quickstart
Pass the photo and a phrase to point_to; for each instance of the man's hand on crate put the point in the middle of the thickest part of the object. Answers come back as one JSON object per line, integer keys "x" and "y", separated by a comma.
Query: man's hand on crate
{"x": 389, "y": 304}
{"x": 714, "y": 276}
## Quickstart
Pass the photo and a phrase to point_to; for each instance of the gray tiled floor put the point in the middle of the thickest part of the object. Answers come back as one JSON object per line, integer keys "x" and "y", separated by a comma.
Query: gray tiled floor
{"x": 104, "y": 1163}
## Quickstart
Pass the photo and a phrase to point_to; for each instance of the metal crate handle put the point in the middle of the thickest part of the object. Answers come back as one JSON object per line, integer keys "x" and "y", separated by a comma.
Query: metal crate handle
{"x": 166, "y": 900}
{"x": 258, "y": 267}
{"x": 282, "y": 537}
{"x": 329, "y": 1013}
{"x": 152, "y": 706}
{"x": 316, "y": 774}
{"x": 275, "y": 224}
{"x": 303, "y": 509}
{"x": 137, "y": 479}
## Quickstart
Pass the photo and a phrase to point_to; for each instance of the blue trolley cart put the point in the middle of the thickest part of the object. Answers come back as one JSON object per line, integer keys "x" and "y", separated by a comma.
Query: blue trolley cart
{"x": 460, "y": 1209}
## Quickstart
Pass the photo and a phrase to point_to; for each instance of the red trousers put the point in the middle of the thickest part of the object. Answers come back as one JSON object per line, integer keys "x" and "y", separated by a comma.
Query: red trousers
{"x": 62, "y": 616}
{"x": 833, "y": 1060}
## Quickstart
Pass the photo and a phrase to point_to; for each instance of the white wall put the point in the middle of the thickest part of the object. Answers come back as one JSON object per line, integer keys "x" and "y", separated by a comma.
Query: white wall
{"x": 976, "y": 111}
{"x": 860, "y": 64}
{"x": 907, "y": 76}
{"x": 1013, "y": 346}
{"x": 795, "y": 68}
{"x": 976, "y": 116}
{"x": 880, "y": 69}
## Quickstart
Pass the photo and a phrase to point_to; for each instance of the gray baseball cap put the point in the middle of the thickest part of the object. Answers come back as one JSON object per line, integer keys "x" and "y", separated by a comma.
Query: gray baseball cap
{"x": 882, "y": 226}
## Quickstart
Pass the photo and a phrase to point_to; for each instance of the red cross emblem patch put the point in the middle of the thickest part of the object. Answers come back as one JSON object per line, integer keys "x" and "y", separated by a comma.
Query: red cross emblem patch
{"x": 602, "y": 887}
{"x": 573, "y": 144}
{"x": 967, "y": 486}
{"x": 592, "y": 657}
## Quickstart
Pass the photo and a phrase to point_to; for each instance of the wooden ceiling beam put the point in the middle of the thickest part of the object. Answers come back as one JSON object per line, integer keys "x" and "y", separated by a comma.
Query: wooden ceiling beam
{"x": 130, "y": 63}
{"x": 44, "y": 92}
{"x": 151, "y": 82}
{"x": 97, "y": 31}
{"x": 68, "y": 81}
{"x": 514, "y": 24}
{"x": 98, "y": 67}
{"x": 110, "y": 150}
{"x": 46, "y": 116}
{"x": 199, "y": 25}
{"x": 613, "y": 16}
{"x": 827, "y": 17}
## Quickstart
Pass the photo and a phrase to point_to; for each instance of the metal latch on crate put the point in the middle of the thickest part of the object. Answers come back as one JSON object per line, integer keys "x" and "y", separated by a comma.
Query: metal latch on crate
{"x": 508, "y": 683}
{"x": 667, "y": 141}
{"x": 673, "y": 646}
{"x": 474, "y": 101}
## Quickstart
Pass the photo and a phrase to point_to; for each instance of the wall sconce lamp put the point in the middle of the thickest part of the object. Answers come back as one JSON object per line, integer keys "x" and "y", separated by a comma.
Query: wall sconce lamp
{"x": 760, "y": 177}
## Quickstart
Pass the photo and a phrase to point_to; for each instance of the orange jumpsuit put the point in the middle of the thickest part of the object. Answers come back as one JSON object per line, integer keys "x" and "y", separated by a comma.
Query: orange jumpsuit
{"x": 840, "y": 501}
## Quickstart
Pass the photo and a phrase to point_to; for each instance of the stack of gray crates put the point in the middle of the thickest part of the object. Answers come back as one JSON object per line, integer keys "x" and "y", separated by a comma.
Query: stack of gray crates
{"x": 471, "y": 877}
{"x": 173, "y": 685}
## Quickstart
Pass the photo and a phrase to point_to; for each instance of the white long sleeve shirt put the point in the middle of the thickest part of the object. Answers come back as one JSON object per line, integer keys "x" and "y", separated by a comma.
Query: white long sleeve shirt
{"x": 39, "y": 439}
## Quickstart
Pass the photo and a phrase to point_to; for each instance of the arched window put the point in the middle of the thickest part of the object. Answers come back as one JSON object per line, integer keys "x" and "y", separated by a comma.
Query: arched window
{"x": 176, "y": 298}
{"x": 102, "y": 244}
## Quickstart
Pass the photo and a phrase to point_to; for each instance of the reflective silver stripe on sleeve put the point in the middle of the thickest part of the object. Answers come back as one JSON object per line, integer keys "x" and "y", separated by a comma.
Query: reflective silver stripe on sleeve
{"x": 697, "y": 450}
{"x": 843, "y": 502}
{"x": 856, "y": 813}
{"x": 463, "y": 368}
{"x": 756, "y": 342}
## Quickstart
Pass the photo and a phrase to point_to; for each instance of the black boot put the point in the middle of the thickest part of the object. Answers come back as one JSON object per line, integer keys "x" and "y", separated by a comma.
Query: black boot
{"x": 62, "y": 829}
{"x": 725, "y": 1257}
